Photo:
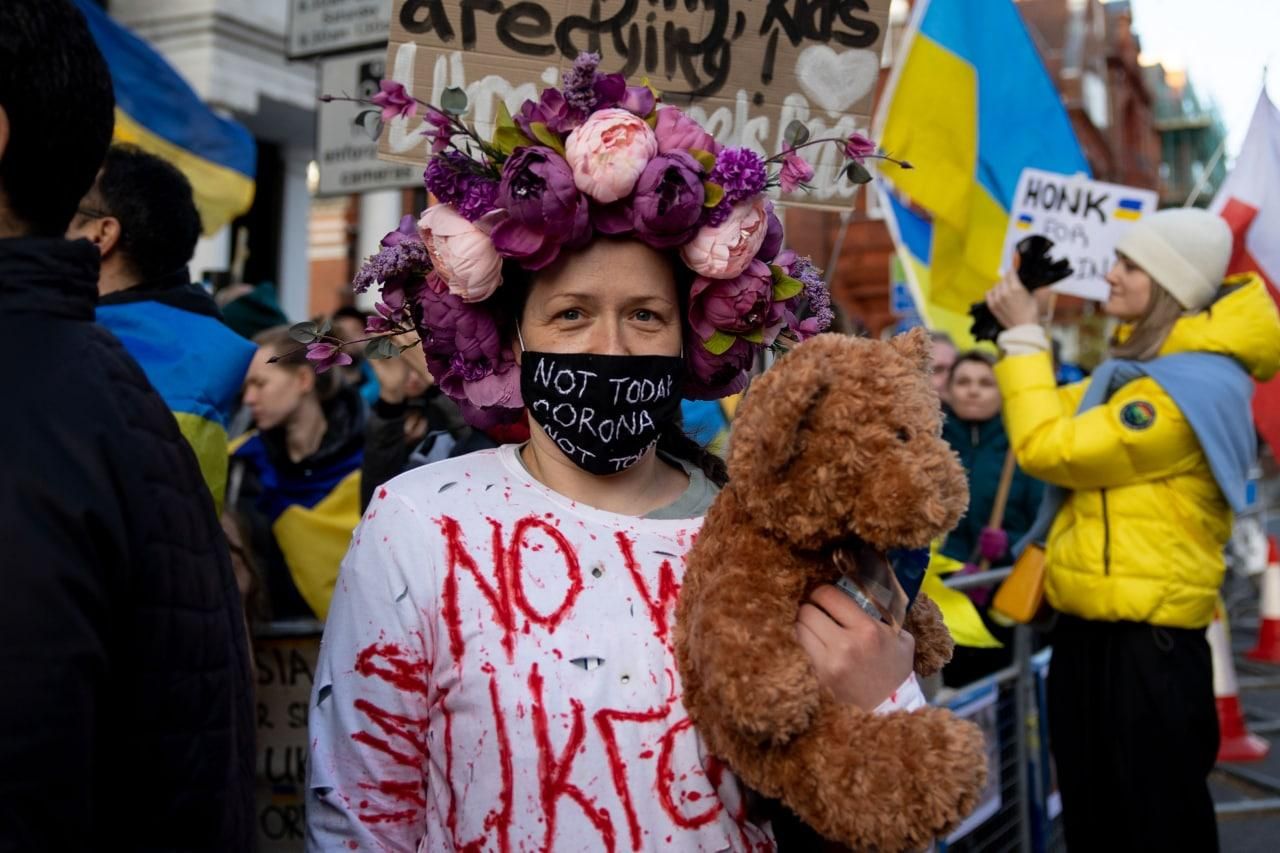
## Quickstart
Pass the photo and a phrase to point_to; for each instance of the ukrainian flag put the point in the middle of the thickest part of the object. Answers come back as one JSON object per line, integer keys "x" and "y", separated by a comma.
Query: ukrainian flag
{"x": 970, "y": 105}
{"x": 311, "y": 513}
{"x": 1129, "y": 209}
{"x": 157, "y": 111}
{"x": 192, "y": 359}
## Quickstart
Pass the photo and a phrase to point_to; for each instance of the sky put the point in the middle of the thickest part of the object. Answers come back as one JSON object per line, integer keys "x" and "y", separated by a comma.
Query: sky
{"x": 1222, "y": 44}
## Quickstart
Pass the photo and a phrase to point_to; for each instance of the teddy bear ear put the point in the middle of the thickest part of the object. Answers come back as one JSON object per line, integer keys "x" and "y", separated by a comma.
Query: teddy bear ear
{"x": 778, "y": 408}
{"x": 917, "y": 347}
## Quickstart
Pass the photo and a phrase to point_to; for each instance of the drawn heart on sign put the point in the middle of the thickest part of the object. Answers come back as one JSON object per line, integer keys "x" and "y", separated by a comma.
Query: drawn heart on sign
{"x": 836, "y": 81}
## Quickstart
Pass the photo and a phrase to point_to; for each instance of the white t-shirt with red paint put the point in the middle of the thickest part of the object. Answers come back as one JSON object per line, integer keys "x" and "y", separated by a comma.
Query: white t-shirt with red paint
{"x": 497, "y": 674}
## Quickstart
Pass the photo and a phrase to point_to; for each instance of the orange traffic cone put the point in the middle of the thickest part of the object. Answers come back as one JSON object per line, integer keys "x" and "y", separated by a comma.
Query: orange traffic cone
{"x": 1268, "y": 648}
{"x": 1235, "y": 743}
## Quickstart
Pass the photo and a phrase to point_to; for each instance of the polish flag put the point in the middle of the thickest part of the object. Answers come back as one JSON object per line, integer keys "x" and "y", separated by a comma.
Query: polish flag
{"x": 1250, "y": 202}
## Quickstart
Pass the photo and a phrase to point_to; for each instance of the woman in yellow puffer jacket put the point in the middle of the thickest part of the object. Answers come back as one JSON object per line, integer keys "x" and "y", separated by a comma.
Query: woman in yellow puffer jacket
{"x": 1149, "y": 459}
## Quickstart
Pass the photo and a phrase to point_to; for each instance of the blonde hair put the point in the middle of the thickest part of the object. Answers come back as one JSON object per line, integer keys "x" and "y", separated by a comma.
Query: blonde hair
{"x": 1150, "y": 332}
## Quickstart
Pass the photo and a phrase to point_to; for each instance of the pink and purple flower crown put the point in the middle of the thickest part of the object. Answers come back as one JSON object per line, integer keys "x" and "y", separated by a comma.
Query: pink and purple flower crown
{"x": 594, "y": 157}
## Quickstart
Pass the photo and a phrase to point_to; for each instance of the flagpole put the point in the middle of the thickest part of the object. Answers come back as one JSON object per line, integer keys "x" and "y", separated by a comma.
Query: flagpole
{"x": 1207, "y": 174}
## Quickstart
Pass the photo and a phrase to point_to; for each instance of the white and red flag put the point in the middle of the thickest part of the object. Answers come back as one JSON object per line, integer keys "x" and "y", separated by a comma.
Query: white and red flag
{"x": 1250, "y": 202}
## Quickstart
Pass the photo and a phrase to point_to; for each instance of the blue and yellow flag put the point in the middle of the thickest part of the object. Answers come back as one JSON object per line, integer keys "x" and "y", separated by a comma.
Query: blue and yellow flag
{"x": 157, "y": 111}
{"x": 970, "y": 105}
{"x": 194, "y": 361}
{"x": 312, "y": 513}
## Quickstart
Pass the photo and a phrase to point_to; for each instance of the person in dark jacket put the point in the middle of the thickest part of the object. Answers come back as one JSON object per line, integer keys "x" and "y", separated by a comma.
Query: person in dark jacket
{"x": 141, "y": 216}
{"x": 296, "y": 479}
{"x": 412, "y": 423}
{"x": 126, "y": 717}
{"x": 974, "y": 429}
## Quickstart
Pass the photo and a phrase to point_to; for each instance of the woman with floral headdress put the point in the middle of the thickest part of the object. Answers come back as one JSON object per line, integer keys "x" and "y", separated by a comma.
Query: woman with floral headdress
{"x": 497, "y": 668}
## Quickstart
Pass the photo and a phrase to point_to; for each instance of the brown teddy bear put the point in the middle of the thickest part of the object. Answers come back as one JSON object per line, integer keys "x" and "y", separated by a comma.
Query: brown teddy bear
{"x": 838, "y": 448}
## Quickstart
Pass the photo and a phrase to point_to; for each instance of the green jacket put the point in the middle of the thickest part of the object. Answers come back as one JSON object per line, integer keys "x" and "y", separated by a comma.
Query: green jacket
{"x": 982, "y": 448}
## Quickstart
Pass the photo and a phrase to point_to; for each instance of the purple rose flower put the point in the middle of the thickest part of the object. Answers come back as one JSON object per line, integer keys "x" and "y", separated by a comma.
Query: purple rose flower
{"x": 394, "y": 100}
{"x": 739, "y": 306}
{"x": 667, "y": 204}
{"x": 677, "y": 132}
{"x": 325, "y": 355}
{"x": 711, "y": 377}
{"x": 741, "y": 172}
{"x": 858, "y": 148}
{"x": 550, "y": 109}
{"x": 544, "y": 209}
{"x": 610, "y": 90}
{"x": 407, "y": 230}
{"x": 638, "y": 100}
{"x": 438, "y": 129}
{"x": 772, "y": 244}
{"x": 795, "y": 172}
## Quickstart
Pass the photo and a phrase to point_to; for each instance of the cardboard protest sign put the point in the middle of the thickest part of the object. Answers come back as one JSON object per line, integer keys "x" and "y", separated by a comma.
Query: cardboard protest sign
{"x": 1084, "y": 219}
{"x": 745, "y": 69}
{"x": 285, "y": 668}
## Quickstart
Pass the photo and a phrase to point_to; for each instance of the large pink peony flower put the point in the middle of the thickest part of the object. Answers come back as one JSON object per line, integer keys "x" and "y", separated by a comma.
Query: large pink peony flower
{"x": 607, "y": 153}
{"x": 725, "y": 250}
{"x": 461, "y": 252}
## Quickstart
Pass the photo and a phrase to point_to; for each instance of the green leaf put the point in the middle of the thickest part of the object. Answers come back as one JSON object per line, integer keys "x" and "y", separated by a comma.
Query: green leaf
{"x": 652, "y": 119}
{"x": 305, "y": 332}
{"x": 454, "y": 101}
{"x": 858, "y": 174}
{"x": 504, "y": 115}
{"x": 705, "y": 159}
{"x": 507, "y": 139}
{"x": 719, "y": 343}
{"x": 784, "y": 286}
{"x": 755, "y": 337}
{"x": 715, "y": 194}
{"x": 796, "y": 134}
{"x": 326, "y": 326}
{"x": 543, "y": 134}
{"x": 380, "y": 348}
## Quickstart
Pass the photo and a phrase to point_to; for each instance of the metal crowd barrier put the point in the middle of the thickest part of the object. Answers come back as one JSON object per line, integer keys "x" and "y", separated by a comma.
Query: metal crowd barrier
{"x": 1020, "y": 809}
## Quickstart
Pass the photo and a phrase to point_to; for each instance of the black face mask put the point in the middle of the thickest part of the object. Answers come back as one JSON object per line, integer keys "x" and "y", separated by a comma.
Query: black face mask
{"x": 602, "y": 411}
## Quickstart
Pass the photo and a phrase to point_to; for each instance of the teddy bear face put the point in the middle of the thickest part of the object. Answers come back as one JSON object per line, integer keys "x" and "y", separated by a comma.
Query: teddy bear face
{"x": 843, "y": 439}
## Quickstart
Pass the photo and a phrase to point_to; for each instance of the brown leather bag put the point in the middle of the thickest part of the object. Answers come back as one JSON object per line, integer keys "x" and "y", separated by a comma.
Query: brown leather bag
{"x": 1021, "y": 597}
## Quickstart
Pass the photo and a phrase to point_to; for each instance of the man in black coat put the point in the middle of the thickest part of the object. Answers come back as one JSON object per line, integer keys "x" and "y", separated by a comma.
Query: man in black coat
{"x": 125, "y": 701}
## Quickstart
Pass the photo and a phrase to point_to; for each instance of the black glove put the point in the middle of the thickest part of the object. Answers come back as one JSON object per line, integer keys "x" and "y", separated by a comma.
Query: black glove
{"x": 1035, "y": 270}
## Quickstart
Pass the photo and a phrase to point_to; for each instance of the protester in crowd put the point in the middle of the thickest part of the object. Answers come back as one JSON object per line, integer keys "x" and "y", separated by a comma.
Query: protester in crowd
{"x": 412, "y": 423}
{"x": 126, "y": 718}
{"x": 1149, "y": 458}
{"x": 250, "y": 309}
{"x": 142, "y": 218}
{"x": 944, "y": 356}
{"x": 296, "y": 478}
{"x": 975, "y": 430}
{"x": 349, "y": 325}
{"x": 506, "y": 617}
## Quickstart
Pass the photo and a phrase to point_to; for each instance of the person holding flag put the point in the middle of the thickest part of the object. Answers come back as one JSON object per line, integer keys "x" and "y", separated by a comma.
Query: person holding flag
{"x": 1146, "y": 462}
{"x": 141, "y": 217}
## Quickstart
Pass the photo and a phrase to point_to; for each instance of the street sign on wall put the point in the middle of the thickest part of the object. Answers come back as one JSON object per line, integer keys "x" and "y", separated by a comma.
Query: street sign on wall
{"x": 318, "y": 27}
{"x": 347, "y": 157}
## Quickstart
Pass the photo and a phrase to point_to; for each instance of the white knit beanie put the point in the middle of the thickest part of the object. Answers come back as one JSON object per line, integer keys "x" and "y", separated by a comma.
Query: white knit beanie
{"x": 1184, "y": 250}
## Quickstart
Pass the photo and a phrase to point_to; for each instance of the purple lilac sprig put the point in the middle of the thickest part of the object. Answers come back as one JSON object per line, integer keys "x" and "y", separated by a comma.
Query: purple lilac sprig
{"x": 579, "y": 82}
{"x": 815, "y": 296}
{"x": 397, "y": 263}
